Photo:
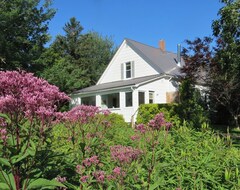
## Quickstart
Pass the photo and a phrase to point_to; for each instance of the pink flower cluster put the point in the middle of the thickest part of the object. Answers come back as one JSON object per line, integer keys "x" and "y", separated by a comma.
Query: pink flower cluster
{"x": 159, "y": 122}
{"x": 141, "y": 128}
{"x": 84, "y": 178}
{"x": 91, "y": 161}
{"x": 80, "y": 169}
{"x": 24, "y": 95}
{"x": 3, "y": 130}
{"x": 81, "y": 113}
{"x": 61, "y": 179}
{"x": 135, "y": 137}
{"x": 118, "y": 172}
{"x": 124, "y": 154}
{"x": 3, "y": 134}
{"x": 99, "y": 175}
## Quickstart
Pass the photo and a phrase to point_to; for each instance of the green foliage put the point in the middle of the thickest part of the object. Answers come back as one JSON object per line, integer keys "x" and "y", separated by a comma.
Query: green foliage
{"x": 120, "y": 131}
{"x": 225, "y": 82}
{"x": 72, "y": 58}
{"x": 146, "y": 112}
{"x": 191, "y": 107}
{"x": 216, "y": 65}
{"x": 182, "y": 158}
{"x": 26, "y": 158}
{"x": 197, "y": 160}
{"x": 23, "y": 34}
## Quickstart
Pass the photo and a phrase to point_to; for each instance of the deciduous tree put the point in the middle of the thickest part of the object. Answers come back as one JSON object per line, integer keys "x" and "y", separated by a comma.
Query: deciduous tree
{"x": 217, "y": 66}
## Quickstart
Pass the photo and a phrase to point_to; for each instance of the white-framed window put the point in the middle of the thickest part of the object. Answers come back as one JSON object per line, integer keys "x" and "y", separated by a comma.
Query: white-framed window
{"x": 128, "y": 99}
{"x": 110, "y": 100}
{"x": 151, "y": 97}
{"x": 127, "y": 70}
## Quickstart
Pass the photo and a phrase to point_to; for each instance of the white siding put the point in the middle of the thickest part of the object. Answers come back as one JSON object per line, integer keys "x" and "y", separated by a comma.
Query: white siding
{"x": 123, "y": 55}
{"x": 160, "y": 88}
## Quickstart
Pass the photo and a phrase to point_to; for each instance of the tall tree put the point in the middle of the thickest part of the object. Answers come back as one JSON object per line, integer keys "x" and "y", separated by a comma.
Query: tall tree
{"x": 219, "y": 67}
{"x": 23, "y": 32}
{"x": 225, "y": 83}
{"x": 77, "y": 59}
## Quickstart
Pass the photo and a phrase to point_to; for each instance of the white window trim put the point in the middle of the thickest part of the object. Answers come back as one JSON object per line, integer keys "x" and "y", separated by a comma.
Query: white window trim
{"x": 153, "y": 98}
{"x": 124, "y": 70}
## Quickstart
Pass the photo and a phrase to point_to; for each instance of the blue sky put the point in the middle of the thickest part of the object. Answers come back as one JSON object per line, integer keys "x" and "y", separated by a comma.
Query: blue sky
{"x": 146, "y": 21}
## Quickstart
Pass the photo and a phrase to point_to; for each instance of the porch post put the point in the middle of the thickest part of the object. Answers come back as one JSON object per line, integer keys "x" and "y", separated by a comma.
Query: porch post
{"x": 98, "y": 100}
{"x": 122, "y": 99}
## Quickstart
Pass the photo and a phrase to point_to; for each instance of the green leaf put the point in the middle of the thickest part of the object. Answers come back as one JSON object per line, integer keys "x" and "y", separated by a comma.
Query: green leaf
{"x": 12, "y": 181}
{"x": 3, "y": 176}
{"x": 71, "y": 186}
{"x": 19, "y": 158}
{"x": 32, "y": 144}
{"x": 110, "y": 187}
{"x": 7, "y": 179}
{"x": 82, "y": 145}
{"x": 31, "y": 152}
{"x": 41, "y": 183}
{"x": 4, "y": 186}
{"x": 157, "y": 184}
{"x": 5, "y": 117}
{"x": 5, "y": 162}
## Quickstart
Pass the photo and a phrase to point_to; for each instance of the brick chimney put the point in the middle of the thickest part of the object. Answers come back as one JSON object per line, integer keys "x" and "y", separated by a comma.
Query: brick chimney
{"x": 161, "y": 45}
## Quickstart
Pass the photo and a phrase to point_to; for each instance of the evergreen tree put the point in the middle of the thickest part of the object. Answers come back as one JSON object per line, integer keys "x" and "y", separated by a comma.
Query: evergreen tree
{"x": 23, "y": 32}
{"x": 77, "y": 60}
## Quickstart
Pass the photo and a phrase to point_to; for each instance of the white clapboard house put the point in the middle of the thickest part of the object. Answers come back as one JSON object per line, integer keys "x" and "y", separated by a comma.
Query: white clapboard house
{"x": 137, "y": 74}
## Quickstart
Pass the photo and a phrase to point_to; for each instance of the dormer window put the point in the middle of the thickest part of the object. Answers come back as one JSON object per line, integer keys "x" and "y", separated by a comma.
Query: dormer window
{"x": 127, "y": 70}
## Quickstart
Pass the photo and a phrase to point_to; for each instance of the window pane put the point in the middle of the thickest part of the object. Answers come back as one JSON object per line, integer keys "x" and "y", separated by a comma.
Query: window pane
{"x": 128, "y": 74}
{"x": 128, "y": 70}
{"x": 151, "y": 97}
{"x": 128, "y": 66}
{"x": 128, "y": 99}
{"x": 91, "y": 100}
{"x": 141, "y": 98}
{"x": 110, "y": 100}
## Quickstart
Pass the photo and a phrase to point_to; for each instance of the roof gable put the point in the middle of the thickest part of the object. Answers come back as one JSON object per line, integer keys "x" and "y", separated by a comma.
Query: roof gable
{"x": 163, "y": 62}
{"x": 125, "y": 54}
{"x": 152, "y": 61}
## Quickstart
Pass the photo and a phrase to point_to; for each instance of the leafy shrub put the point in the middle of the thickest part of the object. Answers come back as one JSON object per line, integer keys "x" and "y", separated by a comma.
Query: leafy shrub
{"x": 120, "y": 131}
{"x": 146, "y": 112}
{"x": 192, "y": 108}
{"x": 162, "y": 156}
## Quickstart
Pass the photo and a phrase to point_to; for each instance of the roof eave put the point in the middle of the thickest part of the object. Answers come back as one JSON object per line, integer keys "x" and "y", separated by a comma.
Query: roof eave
{"x": 103, "y": 90}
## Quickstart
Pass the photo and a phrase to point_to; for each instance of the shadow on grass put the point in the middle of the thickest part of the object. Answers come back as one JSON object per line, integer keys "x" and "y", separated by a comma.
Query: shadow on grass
{"x": 224, "y": 130}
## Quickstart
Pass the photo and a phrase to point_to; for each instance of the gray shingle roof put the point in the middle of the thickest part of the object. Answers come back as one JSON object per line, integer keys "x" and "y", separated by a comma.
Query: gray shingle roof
{"x": 117, "y": 84}
{"x": 163, "y": 62}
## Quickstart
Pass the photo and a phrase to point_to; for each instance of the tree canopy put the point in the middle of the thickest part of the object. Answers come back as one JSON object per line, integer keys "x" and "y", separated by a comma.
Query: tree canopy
{"x": 217, "y": 66}
{"x": 23, "y": 32}
{"x": 76, "y": 60}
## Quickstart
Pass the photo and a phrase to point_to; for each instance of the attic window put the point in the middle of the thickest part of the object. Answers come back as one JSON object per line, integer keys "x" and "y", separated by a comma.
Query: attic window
{"x": 128, "y": 70}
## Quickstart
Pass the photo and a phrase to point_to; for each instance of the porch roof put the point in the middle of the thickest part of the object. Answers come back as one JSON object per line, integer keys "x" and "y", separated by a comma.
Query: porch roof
{"x": 117, "y": 84}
